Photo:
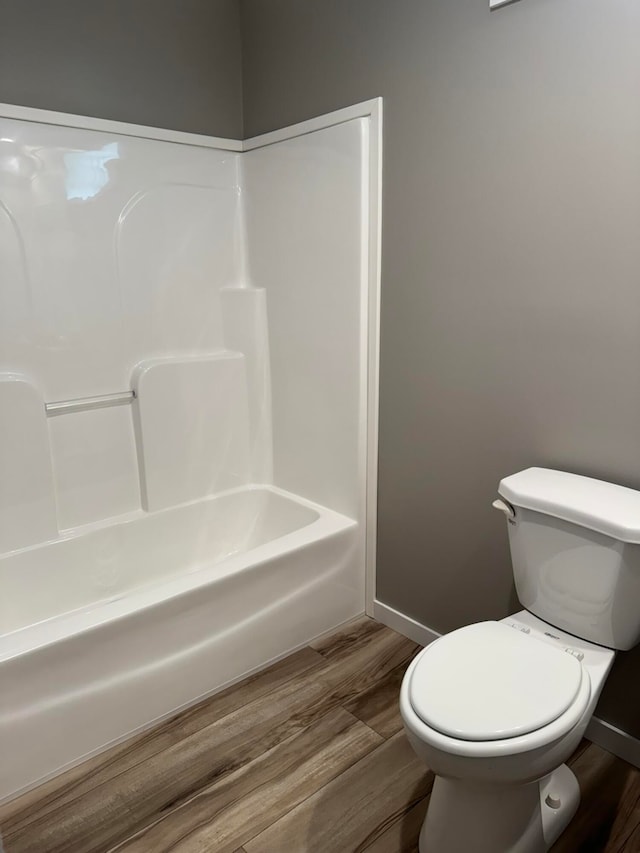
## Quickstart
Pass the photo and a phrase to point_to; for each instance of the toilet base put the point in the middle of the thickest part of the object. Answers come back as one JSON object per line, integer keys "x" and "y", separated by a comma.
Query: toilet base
{"x": 499, "y": 818}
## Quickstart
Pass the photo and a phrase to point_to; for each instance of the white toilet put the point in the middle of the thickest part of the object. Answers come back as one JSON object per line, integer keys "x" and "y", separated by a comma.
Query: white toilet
{"x": 495, "y": 708}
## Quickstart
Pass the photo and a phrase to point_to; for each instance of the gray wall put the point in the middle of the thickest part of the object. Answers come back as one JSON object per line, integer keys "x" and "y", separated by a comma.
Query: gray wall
{"x": 167, "y": 63}
{"x": 511, "y": 262}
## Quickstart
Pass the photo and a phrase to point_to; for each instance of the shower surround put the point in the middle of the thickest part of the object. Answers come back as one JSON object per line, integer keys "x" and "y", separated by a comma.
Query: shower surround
{"x": 188, "y": 398}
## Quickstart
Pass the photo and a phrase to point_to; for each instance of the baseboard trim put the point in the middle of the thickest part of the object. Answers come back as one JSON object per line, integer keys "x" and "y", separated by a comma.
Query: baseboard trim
{"x": 599, "y": 731}
{"x": 614, "y": 740}
{"x": 403, "y": 624}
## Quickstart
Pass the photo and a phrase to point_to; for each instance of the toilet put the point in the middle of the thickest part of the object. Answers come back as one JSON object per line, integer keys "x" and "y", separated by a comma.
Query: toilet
{"x": 495, "y": 708}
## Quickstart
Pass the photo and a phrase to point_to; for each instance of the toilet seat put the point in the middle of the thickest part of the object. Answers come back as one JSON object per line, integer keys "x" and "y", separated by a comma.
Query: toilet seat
{"x": 489, "y": 682}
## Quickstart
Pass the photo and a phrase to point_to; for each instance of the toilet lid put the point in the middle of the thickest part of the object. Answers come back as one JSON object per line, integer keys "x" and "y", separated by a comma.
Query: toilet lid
{"x": 489, "y": 681}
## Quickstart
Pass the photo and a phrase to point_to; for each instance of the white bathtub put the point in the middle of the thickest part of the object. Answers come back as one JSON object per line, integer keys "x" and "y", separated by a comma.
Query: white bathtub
{"x": 165, "y": 608}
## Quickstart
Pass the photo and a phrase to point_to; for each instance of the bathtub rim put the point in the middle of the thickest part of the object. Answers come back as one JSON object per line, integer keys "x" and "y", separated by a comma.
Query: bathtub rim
{"x": 31, "y": 639}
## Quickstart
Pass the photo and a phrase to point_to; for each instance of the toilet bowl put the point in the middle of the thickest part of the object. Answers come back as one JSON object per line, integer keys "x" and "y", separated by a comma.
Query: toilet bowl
{"x": 495, "y": 708}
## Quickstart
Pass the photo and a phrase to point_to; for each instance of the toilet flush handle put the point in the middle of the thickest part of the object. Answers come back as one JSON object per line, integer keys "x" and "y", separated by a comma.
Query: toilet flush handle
{"x": 506, "y": 508}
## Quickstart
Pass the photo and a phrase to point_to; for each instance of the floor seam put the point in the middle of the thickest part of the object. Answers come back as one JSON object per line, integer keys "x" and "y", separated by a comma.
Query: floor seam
{"x": 208, "y": 788}
{"x": 326, "y": 784}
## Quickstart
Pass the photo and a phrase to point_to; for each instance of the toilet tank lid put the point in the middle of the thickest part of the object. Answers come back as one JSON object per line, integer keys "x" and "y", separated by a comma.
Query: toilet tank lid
{"x": 595, "y": 504}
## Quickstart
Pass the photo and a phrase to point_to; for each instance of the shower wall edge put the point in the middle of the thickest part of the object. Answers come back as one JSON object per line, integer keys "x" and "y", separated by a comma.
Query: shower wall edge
{"x": 373, "y": 111}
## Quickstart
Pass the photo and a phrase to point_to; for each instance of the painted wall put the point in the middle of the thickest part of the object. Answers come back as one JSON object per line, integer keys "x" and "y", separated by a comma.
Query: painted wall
{"x": 510, "y": 303}
{"x": 173, "y": 64}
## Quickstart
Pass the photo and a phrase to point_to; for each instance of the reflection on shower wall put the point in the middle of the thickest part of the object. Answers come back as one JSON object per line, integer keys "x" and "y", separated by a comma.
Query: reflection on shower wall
{"x": 120, "y": 263}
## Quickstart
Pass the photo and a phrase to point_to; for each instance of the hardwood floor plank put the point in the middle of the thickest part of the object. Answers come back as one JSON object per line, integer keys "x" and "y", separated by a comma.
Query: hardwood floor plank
{"x": 582, "y": 747}
{"x": 624, "y": 834}
{"x": 379, "y": 705}
{"x": 356, "y": 668}
{"x": 605, "y": 781}
{"x": 632, "y": 843}
{"x": 132, "y": 798}
{"x": 402, "y": 834}
{"x": 81, "y": 780}
{"x": 345, "y": 639}
{"x": 170, "y": 764}
{"x": 356, "y": 809}
{"x": 243, "y": 804}
{"x": 347, "y": 655}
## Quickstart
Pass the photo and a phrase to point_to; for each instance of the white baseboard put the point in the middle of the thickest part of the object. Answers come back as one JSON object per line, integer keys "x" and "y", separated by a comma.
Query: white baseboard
{"x": 614, "y": 740}
{"x": 403, "y": 624}
{"x": 600, "y": 732}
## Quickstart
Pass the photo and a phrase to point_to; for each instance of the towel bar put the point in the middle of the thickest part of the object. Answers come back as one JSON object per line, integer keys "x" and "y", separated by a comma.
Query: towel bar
{"x": 66, "y": 407}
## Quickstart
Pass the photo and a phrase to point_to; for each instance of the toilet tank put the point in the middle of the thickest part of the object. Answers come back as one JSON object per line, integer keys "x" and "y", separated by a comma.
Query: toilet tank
{"x": 575, "y": 549}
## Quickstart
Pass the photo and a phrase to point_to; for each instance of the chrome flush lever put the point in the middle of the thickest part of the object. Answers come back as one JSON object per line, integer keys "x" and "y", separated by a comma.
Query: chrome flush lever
{"x": 506, "y": 508}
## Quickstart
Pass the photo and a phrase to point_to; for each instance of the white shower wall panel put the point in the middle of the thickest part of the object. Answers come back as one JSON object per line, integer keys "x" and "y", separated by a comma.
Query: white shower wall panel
{"x": 192, "y": 419}
{"x": 117, "y": 244}
{"x": 27, "y": 507}
{"x": 113, "y": 249}
{"x": 306, "y": 205}
{"x": 175, "y": 249}
{"x": 95, "y": 465}
{"x": 246, "y": 330}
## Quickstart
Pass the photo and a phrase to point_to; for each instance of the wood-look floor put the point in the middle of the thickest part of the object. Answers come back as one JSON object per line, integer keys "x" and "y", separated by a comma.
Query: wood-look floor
{"x": 308, "y": 756}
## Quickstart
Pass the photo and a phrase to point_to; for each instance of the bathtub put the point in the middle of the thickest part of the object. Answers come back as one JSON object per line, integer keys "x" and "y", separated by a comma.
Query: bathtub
{"x": 115, "y": 626}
